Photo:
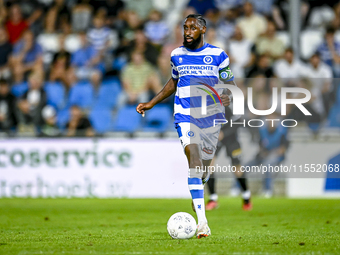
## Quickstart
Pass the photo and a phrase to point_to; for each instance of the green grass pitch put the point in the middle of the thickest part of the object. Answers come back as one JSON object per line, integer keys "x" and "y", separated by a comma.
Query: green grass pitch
{"x": 138, "y": 226}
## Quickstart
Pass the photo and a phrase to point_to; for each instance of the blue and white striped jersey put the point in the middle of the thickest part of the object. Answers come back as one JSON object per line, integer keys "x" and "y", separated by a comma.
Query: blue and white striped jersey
{"x": 197, "y": 72}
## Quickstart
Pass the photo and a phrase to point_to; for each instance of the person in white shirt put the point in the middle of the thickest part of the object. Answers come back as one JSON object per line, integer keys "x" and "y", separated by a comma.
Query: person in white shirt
{"x": 289, "y": 66}
{"x": 239, "y": 53}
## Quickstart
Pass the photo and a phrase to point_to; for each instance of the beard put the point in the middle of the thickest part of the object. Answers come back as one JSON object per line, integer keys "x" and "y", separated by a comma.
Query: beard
{"x": 193, "y": 44}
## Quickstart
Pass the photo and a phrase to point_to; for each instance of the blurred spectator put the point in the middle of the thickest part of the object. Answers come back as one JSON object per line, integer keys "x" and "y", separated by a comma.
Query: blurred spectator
{"x": 49, "y": 128}
{"x": 114, "y": 10}
{"x": 15, "y": 25}
{"x": 5, "y": 51}
{"x": 336, "y": 21}
{"x": 58, "y": 17}
{"x": 329, "y": 51}
{"x": 3, "y": 12}
{"x": 60, "y": 63}
{"x": 264, "y": 7}
{"x": 99, "y": 35}
{"x": 224, "y": 5}
{"x": 141, "y": 44}
{"x": 175, "y": 40}
{"x": 202, "y": 6}
{"x": 273, "y": 146}
{"x": 269, "y": 43}
{"x": 8, "y": 119}
{"x": 251, "y": 24}
{"x": 240, "y": 53}
{"x": 321, "y": 77}
{"x": 225, "y": 26}
{"x": 33, "y": 101}
{"x": 281, "y": 13}
{"x": 87, "y": 59}
{"x": 164, "y": 69}
{"x": 32, "y": 11}
{"x": 27, "y": 56}
{"x": 138, "y": 78}
{"x": 289, "y": 66}
{"x": 82, "y": 15}
{"x": 262, "y": 67}
{"x": 212, "y": 39}
{"x": 132, "y": 22}
{"x": 141, "y": 8}
{"x": 156, "y": 29}
{"x": 78, "y": 125}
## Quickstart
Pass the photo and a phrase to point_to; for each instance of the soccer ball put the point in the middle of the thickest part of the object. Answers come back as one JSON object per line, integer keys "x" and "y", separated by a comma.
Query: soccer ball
{"x": 181, "y": 225}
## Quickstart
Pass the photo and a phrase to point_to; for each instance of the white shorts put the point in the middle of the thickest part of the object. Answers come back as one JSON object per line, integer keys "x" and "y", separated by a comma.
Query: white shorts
{"x": 206, "y": 138}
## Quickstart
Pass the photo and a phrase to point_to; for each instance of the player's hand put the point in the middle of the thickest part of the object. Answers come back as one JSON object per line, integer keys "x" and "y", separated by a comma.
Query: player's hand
{"x": 225, "y": 100}
{"x": 142, "y": 107}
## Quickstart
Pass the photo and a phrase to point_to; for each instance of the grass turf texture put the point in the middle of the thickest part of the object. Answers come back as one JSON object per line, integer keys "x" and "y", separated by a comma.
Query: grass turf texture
{"x": 138, "y": 226}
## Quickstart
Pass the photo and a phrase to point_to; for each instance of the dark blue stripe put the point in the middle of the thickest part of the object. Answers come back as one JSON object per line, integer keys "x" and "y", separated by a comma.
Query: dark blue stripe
{"x": 191, "y": 102}
{"x": 179, "y": 130}
{"x": 197, "y": 193}
{"x": 200, "y": 122}
{"x": 194, "y": 181}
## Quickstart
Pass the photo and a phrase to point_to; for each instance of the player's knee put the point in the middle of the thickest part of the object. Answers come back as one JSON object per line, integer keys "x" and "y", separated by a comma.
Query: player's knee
{"x": 196, "y": 172}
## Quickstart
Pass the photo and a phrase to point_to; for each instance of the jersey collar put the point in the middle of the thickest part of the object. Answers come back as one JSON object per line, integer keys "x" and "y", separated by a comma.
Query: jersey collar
{"x": 199, "y": 49}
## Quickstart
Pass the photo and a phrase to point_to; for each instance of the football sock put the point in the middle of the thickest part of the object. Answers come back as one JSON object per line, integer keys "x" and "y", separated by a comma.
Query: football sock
{"x": 211, "y": 185}
{"x": 197, "y": 193}
{"x": 245, "y": 192}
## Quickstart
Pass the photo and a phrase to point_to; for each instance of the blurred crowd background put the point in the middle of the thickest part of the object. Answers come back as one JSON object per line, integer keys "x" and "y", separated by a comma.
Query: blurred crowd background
{"x": 79, "y": 67}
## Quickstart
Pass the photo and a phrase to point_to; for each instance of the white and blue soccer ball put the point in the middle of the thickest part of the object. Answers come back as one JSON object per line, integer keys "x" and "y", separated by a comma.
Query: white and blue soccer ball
{"x": 181, "y": 225}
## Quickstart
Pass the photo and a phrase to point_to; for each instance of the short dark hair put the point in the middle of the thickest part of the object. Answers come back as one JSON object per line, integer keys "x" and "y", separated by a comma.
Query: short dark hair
{"x": 199, "y": 18}
{"x": 330, "y": 30}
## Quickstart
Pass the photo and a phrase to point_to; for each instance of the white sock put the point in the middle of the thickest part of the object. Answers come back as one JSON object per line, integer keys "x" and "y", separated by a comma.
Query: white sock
{"x": 246, "y": 194}
{"x": 213, "y": 197}
{"x": 200, "y": 210}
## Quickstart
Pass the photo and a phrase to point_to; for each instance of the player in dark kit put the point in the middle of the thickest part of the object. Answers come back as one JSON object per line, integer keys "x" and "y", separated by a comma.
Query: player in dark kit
{"x": 228, "y": 139}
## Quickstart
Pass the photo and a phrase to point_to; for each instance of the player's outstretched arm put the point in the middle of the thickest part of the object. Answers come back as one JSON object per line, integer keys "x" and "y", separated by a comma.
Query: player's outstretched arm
{"x": 168, "y": 90}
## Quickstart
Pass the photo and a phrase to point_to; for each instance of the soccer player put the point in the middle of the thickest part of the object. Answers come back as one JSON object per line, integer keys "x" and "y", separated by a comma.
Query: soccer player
{"x": 229, "y": 139}
{"x": 196, "y": 66}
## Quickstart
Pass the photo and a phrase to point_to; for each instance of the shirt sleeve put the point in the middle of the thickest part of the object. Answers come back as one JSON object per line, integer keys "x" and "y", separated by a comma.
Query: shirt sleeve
{"x": 174, "y": 71}
{"x": 225, "y": 74}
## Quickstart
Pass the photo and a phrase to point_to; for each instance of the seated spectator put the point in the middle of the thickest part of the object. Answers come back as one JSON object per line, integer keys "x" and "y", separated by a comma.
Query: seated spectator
{"x": 78, "y": 125}
{"x": 226, "y": 25}
{"x": 87, "y": 59}
{"x": 270, "y": 44}
{"x": 15, "y": 25}
{"x": 212, "y": 39}
{"x": 114, "y": 11}
{"x": 131, "y": 23}
{"x": 5, "y": 52}
{"x": 99, "y": 35}
{"x": 239, "y": 53}
{"x": 27, "y": 56}
{"x": 58, "y": 18}
{"x": 32, "y": 11}
{"x": 321, "y": 77}
{"x": 262, "y": 67}
{"x": 289, "y": 66}
{"x": 82, "y": 15}
{"x": 138, "y": 78}
{"x": 329, "y": 52}
{"x": 225, "y": 5}
{"x": 263, "y": 7}
{"x": 8, "y": 119}
{"x": 33, "y": 101}
{"x": 156, "y": 29}
{"x": 60, "y": 63}
{"x": 141, "y": 8}
{"x": 175, "y": 40}
{"x": 251, "y": 24}
{"x": 49, "y": 127}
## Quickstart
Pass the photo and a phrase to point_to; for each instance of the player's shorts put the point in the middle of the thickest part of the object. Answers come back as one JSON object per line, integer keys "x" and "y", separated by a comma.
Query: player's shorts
{"x": 206, "y": 138}
{"x": 233, "y": 148}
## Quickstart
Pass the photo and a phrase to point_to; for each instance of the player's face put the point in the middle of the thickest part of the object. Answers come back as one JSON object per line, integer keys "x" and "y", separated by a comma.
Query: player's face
{"x": 193, "y": 33}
